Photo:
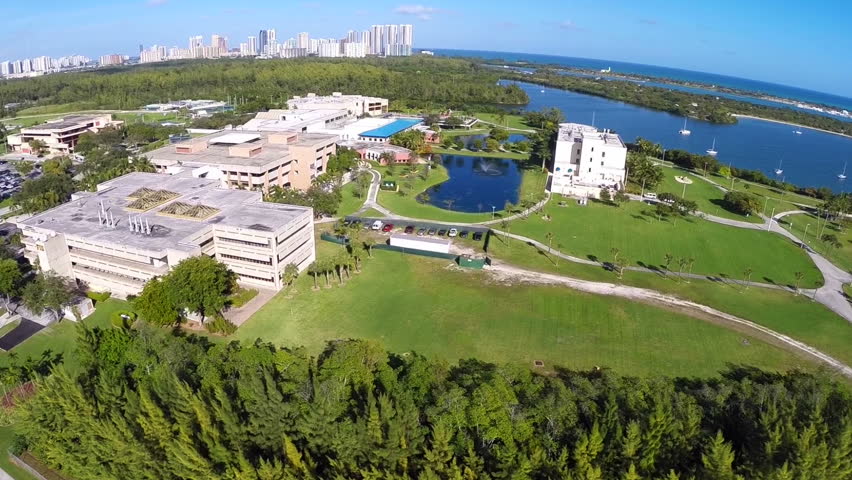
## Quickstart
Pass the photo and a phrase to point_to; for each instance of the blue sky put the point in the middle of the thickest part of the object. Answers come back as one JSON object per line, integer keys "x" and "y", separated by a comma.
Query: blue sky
{"x": 794, "y": 43}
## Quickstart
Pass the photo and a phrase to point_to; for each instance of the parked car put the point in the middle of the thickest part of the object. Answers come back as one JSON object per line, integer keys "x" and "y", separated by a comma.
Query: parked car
{"x": 463, "y": 234}
{"x": 346, "y": 223}
{"x": 477, "y": 236}
{"x": 377, "y": 225}
{"x": 442, "y": 232}
{"x": 421, "y": 232}
{"x": 409, "y": 229}
{"x": 387, "y": 228}
{"x": 431, "y": 231}
{"x": 453, "y": 232}
{"x": 650, "y": 195}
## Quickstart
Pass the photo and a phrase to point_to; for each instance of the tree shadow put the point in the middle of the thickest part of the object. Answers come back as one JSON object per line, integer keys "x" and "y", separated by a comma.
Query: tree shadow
{"x": 769, "y": 280}
{"x": 593, "y": 258}
{"x": 721, "y": 203}
{"x": 654, "y": 268}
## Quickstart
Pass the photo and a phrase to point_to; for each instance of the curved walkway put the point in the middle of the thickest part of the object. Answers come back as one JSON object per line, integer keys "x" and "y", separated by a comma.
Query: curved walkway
{"x": 654, "y": 297}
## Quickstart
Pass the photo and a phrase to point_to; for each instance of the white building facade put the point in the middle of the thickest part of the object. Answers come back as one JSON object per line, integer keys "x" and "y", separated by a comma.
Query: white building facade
{"x": 586, "y": 160}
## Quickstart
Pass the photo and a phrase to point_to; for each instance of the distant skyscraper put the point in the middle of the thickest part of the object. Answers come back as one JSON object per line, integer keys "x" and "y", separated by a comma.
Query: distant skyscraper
{"x": 262, "y": 41}
{"x": 303, "y": 40}
{"x": 196, "y": 46}
{"x": 407, "y": 35}
{"x": 252, "y": 45}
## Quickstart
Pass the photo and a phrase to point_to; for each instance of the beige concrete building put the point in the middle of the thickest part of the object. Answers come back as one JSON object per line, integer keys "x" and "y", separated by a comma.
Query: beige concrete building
{"x": 138, "y": 226}
{"x": 354, "y": 105}
{"x": 61, "y": 135}
{"x": 249, "y": 160}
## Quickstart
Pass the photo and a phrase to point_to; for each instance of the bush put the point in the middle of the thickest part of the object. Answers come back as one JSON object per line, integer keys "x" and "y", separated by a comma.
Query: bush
{"x": 743, "y": 203}
{"x": 122, "y": 318}
{"x": 99, "y": 296}
{"x": 220, "y": 325}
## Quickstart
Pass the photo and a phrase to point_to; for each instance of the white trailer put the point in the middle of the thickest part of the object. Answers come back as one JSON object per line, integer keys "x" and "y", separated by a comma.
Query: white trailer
{"x": 420, "y": 243}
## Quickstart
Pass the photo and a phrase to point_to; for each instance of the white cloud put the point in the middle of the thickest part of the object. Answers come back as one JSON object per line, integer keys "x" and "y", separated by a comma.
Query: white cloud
{"x": 420, "y": 11}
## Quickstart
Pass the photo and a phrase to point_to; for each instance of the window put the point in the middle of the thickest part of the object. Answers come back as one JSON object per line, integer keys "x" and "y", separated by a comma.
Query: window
{"x": 603, "y": 154}
{"x": 243, "y": 259}
{"x": 593, "y": 149}
{"x": 590, "y": 170}
{"x": 242, "y": 242}
{"x": 602, "y": 163}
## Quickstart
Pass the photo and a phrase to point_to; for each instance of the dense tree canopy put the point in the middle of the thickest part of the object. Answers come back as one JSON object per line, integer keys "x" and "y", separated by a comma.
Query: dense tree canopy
{"x": 413, "y": 81}
{"x": 150, "y": 405}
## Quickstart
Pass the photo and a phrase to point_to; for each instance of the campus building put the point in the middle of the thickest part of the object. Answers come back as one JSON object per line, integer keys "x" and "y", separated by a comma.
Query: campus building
{"x": 139, "y": 226}
{"x": 249, "y": 160}
{"x": 60, "y": 135}
{"x": 586, "y": 160}
{"x": 355, "y": 105}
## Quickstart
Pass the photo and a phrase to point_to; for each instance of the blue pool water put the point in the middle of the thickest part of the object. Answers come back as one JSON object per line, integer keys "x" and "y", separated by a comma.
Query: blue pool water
{"x": 476, "y": 184}
{"x": 392, "y": 128}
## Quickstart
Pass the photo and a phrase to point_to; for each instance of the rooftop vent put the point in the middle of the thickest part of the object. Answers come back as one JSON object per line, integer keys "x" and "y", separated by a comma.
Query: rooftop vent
{"x": 189, "y": 211}
{"x": 149, "y": 199}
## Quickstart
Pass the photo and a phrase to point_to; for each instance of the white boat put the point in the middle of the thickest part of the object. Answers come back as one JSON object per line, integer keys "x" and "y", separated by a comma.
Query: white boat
{"x": 684, "y": 131}
{"x": 797, "y": 132}
{"x": 712, "y": 150}
{"x": 778, "y": 170}
{"x": 842, "y": 175}
{"x": 542, "y": 91}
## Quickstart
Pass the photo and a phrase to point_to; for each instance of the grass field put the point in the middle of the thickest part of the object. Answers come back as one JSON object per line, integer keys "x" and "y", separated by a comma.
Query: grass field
{"x": 61, "y": 337}
{"x": 798, "y": 222}
{"x": 794, "y": 315}
{"x": 708, "y": 197}
{"x": 351, "y": 202}
{"x": 151, "y": 117}
{"x": 410, "y": 303}
{"x": 511, "y": 121}
{"x": 54, "y": 109}
{"x": 592, "y": 231}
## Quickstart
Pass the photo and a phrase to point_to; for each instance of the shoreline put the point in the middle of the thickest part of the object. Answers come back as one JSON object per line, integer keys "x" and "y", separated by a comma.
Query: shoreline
{"x": 738, "y": 115}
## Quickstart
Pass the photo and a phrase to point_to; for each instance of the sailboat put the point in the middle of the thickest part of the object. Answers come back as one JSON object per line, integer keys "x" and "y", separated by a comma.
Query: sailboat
{"x": 712, "y": 151}
{"x": 684, "y": 131}
{"x": 842, "y": 175}
{"x": 797, "y": 132}
{"x": 778, "y": 170}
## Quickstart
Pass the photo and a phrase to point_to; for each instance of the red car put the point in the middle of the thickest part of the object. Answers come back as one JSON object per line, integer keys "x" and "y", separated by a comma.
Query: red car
{"x": 387, "y": 228}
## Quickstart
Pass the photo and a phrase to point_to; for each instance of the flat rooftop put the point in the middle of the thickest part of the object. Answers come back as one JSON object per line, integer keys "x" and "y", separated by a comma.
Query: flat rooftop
{"x": 574, "y": 132}
{"x": 70, "y": 121}
{"x": 392, "y": 128}
{"x": 307, "y": 100}
{"x": 234, "y": 208}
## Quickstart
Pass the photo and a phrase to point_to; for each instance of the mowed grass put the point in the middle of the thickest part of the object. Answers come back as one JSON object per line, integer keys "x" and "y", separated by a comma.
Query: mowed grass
{"x": 515, "y": 122}
{"x": 709, "y": 197}
{"x": 794, "y": 315}
{"x": 61, "y": 337}
{"x": 350, "y": 202}
{"x": 409, "y": 303}
{"x": 719, "y": 250}
{"x": 797, "y": 223}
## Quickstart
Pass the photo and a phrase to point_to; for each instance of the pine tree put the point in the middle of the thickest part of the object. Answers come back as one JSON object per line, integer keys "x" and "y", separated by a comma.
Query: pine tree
{"x": 718, "y": 459}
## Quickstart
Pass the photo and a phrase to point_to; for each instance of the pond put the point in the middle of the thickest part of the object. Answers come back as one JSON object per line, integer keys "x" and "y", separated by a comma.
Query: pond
{"x": 476, "y": 184}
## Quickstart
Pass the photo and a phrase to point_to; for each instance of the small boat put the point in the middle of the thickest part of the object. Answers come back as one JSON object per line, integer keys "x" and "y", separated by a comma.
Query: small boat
{"x": 712, "y": 150}
{"x": 684, "y": 131}
{"x": 542, "y": 91}
{"x": 842, "y": 175}
{"x": 778, "y": 170}
{"x": 797, "y": 132}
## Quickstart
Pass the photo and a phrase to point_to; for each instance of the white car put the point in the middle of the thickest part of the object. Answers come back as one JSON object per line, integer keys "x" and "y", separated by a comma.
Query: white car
{"x": 377, "y": 225}
{"x": 453, "y": 232}
{"x": 651, "y": 195}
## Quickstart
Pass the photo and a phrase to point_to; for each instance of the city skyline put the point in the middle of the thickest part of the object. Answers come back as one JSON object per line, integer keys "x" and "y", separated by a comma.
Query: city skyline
{"x": 719, "y": 38}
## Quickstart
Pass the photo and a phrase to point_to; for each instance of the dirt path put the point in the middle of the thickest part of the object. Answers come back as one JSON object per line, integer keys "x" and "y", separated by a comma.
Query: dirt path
{"x": 511, "y": 274}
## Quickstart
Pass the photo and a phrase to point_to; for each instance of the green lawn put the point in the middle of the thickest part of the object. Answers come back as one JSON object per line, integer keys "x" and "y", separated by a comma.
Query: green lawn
{"x": 511, "y": 121}
{"x": 6, "y": 202}
{"x": 372, "y": 213}
{"x": 592, "y": 231}
{"x": 351, "y": 202}
{"x": 798, "y": 222}
{"x": 154, "y": 117}
{"x": 61, "y": 337}
{"x": 793, "y": 315}
{"x": 708, "y": 196}
{"x": 7, "y": 435}
{"x": 414, "y": 304}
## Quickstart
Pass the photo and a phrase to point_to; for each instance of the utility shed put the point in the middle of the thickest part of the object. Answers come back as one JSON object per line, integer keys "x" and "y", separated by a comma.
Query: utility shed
{"x": 420, "y": 243}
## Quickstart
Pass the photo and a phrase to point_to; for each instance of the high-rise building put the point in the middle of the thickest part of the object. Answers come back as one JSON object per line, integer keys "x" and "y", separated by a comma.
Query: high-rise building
{"x": 262, "y": 41}
{"x": 406, "y": 35}
{"x": 303, "y": 40}
{"x": 5, "y": 67}
{"x": 252, "y": 45}
{"x": 219, "y": 45}
{"x": 196, "y": 46}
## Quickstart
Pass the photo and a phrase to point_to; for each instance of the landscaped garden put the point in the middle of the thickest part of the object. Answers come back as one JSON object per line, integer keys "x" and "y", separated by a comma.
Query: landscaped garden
{"x": 414, "y": 304}
{"x": 833, "y": 239}
{"x": 643, "y": 239}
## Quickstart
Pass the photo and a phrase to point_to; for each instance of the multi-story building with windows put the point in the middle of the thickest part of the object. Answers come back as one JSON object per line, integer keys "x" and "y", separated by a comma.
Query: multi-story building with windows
{"x": 60, "y": 135}
{"x": 250, "y": 160}
{"x": 139, "y": 226}
{"x": 587, "y": 159}
{"x": 357, "y": 105}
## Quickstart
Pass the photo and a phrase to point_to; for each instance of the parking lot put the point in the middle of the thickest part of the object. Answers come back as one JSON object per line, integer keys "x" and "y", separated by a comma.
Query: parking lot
{"x": 10, "y": 180}
{"x": 387, "y": 226}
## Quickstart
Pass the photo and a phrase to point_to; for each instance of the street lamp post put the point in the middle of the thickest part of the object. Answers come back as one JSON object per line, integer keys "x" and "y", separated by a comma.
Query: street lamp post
{"x": 492, "y": 211}
{"x": 769, "y": 224}
{"x": 683, "y": 195}
{"x": 765, "y": 202}
{"x": 805, "y": 236}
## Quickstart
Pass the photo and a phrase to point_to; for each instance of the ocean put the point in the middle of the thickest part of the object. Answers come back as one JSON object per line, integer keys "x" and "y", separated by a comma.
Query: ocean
{"x": 745, "y": 84}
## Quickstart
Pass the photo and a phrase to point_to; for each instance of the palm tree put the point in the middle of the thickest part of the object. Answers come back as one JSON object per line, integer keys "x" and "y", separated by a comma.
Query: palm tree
{"x": 669, "y": 257}
{"x": 368, "y": 244}
{"x": 289, "y": 275}
{"x": 313, "y": 270}
{"x": 505, "y": 226}
{"x": 746, "y": 277}
{"x": 326, "y": 267}
{"x": 620, "y": 265}
{"x": 681, "y": 263}
{"x": 799, "y": 276}
{"x": 614, "y": 251}
{"x": 549, "y": 236}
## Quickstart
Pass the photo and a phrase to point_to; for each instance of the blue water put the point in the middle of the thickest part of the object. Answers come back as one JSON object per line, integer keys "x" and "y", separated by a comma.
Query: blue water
{"x": 476, "y": 184}
{"x": 756, "y": 86}
{"x": 392, "y": 128}
{"x": 811, "y": 159}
